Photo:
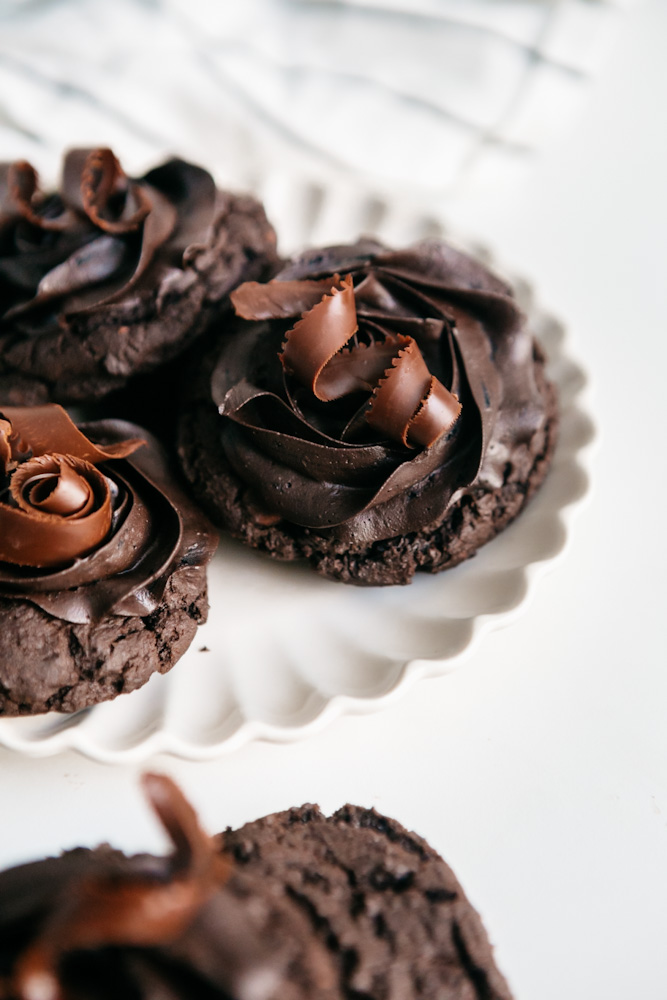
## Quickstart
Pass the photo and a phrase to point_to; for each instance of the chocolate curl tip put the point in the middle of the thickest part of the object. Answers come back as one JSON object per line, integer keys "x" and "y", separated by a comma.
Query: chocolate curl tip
{"x": 49, "y": 429}
{"x": 194, "y": 849}
{"x": 5, "y": 445}
{"x": 121, "y": 910}
{"x": 408, "y": 404}
{"x": 436, "y": 415}
{"x": 101, "y": 178}
{"x": 254, "y": 300}
{"x": 23, "y": 185}
{"x": 411, "y": 405}
{"x": 63, "y": 512}
{"x": 319, "y": 335}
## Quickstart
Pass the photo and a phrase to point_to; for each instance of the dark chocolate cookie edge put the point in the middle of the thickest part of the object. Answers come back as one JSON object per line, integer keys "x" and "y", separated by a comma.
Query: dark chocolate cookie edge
{"x": 47, "y": 664}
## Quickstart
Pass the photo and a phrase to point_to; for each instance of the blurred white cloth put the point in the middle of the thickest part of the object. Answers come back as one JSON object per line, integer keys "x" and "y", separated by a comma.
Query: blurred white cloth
{"x": 400, "y": 94}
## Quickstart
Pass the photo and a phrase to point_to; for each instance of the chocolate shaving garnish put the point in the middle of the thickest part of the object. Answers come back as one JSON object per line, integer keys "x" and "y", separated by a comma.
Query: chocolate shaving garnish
{"x": 103, "y": 181}
{"x": 63, "y": 511}
{"x": 272, "y": 299}
{"x": 128, "y": 909}
{"x": 22, "y": 197}
{"x": 61, "y": 505}
{"x": 13, "y": 448}
{"x": 48, "y": 429}
{"x": 315, "y": 352}
{"x": 321, "y": 332}
{"x": 5, "y": 445}
{"x": 402, "y": 398}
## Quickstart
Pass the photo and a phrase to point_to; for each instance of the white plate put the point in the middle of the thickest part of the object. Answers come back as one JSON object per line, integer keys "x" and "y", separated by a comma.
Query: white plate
{"x": 285, "y": 652}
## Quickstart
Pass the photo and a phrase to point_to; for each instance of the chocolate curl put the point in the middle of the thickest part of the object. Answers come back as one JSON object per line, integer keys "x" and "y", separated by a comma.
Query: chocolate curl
{"x": 314, "y": 349}
{"x": 129, "y": 910}
{"x": 5, "y": 445}
{"x": 52, "y": 486}
{"x": 409, "y": 403}
{"x": 63, "y": 511}
{"x": 102, "y": 178}
{"x": 48, "y": 429}
{"x": 319, "y": 334}
{"x": 63, "y": 503}
{"x": 438, "y": 412}
{"x": 22, "y": 186}
{"x": 195, "y": 852}
{"x": 357, "y": 368}
{"x": 279, "y": 299}
{"x": 13, "y": 448}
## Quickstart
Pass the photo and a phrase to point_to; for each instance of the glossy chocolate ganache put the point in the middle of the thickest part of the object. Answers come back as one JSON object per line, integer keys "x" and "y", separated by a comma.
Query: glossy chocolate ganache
{"x": 112, "y": 275}
{"x": 366, "y": 391}
{"x": 102, "y": 561}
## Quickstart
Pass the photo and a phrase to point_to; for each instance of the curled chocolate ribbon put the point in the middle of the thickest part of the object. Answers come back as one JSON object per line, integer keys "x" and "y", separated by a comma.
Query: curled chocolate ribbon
{"x": 102, "y": 182}
{"x": 43, "y": 429}
{"x": 409, "y": 404}
{"x": 62, "y": 504}
{"x": 22, "y": 196}
{"x": 128, "y": 909}
{"x": 63, "y": 511}
{"x": 6, "y": 450}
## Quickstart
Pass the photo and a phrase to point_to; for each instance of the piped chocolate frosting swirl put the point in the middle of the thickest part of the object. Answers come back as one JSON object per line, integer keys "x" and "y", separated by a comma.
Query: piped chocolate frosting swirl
{"x": 89, "y": 529}
{"x": 102, "y": 236}
{"x": 370, "y": 387}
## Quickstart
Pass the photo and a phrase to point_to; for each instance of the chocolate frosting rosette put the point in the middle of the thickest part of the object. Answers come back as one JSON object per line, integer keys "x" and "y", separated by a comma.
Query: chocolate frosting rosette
{"x": 293, "y": 906}
{"x": 102, "y": 560}
{"x": 378, "y": 411}
{"x": 111, "y": 276}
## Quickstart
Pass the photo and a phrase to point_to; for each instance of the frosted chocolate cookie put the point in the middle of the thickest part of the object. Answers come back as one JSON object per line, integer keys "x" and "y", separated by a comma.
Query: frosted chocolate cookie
{"x": 295, "y": 906}
{"x": 102, "y": 561}
{"x": 375, "y": 412}
{"x": 112, "y": 276}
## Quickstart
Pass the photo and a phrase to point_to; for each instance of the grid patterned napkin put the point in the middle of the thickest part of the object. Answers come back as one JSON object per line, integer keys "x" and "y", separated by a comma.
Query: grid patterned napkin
{"x": 418, "y": 93}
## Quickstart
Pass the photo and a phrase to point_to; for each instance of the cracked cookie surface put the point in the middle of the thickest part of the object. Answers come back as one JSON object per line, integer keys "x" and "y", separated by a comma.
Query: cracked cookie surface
{"x": 390, "y": 911}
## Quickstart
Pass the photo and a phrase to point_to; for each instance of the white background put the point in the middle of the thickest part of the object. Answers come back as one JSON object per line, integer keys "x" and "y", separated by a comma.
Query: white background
{"x": 539, "y": 769}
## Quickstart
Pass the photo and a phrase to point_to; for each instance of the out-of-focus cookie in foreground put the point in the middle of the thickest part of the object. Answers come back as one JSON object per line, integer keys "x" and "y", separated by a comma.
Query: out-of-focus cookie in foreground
{"x": 295, "y": 906}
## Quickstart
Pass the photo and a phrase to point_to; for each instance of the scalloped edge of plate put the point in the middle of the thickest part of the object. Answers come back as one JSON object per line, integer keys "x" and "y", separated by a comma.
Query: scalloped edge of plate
{"x": 65, "y": 734}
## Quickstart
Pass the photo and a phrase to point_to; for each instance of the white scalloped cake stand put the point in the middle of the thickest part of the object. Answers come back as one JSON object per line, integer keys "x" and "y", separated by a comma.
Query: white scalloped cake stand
{"x": 285, "y": 652}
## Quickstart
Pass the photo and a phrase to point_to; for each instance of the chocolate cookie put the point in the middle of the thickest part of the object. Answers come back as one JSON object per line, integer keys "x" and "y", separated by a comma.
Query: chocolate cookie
{"x": 102, "y": 561}
{"x": 295, "y": 907}
{"x": 375, "y": 412}
{"x": 113, "y": 276}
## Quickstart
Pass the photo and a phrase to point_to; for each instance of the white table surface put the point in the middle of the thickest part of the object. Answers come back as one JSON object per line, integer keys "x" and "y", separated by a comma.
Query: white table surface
{"x": 539, "y": 769}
